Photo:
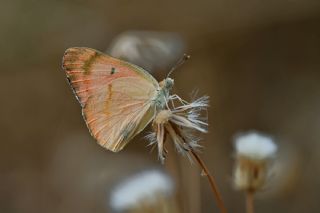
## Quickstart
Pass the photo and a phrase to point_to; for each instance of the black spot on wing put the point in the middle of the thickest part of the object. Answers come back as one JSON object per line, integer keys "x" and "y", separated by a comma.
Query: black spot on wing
{"x": 113, "y": 71}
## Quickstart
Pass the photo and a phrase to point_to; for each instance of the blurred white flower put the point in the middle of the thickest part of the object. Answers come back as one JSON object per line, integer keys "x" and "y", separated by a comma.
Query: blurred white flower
{"x": 151, "y": 50}
{"x": 144, "y": 188}
{"x": 254, "y": 153}
{"x": 255, "y": 146}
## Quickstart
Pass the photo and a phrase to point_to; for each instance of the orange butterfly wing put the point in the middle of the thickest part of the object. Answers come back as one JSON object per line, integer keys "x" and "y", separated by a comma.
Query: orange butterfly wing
{"x": 115, "y": 95}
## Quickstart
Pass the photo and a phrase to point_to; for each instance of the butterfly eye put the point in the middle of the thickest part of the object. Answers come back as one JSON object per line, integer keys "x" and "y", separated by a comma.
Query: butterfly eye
{"x": 113, "y": 71}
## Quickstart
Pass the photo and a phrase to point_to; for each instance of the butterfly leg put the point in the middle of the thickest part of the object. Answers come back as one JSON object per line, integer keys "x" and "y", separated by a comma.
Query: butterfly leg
{"x": 172, "y": 102}
{"x": 176, "y": 97}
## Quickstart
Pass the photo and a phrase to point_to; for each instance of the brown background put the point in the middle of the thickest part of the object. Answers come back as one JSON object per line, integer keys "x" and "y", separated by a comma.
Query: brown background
{"x": 258, "y": 60}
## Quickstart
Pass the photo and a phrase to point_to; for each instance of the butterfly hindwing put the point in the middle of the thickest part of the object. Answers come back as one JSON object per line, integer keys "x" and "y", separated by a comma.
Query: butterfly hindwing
{"x": 115, "y": 95}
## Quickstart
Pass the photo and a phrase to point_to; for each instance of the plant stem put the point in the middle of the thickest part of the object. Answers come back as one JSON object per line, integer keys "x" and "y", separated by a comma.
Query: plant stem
{"x": 211, "y": 180}
{"x": 249, "y": 201}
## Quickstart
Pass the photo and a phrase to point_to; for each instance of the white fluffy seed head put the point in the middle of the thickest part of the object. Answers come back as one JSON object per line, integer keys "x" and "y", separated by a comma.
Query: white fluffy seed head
{"x": 144, "y": 188}
{"x": 255, "y": 146}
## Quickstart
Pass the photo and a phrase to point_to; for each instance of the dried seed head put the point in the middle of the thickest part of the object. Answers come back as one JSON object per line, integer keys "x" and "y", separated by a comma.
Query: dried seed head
{"x": 163, "y": 117}
{"x": 179, "y": 125}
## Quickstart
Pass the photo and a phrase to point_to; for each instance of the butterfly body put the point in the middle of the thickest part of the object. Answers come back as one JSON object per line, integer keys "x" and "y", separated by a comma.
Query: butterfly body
{"x": 163, "y": 93}
{"x": 118, "y": 99}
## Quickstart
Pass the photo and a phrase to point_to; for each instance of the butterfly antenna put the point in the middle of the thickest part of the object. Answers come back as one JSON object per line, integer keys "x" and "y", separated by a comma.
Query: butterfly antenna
{"x": 179, "y": 63}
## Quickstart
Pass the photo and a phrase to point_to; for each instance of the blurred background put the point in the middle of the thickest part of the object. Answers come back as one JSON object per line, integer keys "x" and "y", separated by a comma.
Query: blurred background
{"x": 259, "y": 61}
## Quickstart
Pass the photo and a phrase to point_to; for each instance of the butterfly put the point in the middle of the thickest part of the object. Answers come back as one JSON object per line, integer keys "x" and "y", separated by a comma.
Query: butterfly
{"x": 118, "y": 99}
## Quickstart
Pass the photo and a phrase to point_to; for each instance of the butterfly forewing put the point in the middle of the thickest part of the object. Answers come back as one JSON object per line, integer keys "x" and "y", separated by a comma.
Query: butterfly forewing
{"x": 115, "y": 95}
